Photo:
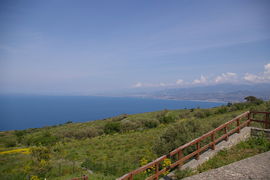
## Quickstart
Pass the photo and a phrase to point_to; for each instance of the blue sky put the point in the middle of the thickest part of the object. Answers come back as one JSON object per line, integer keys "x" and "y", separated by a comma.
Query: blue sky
{"x": 87, "y": 47}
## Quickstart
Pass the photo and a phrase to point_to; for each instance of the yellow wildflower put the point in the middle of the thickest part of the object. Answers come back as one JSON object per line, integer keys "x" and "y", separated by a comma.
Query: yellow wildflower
{"x": 21, "y": 150}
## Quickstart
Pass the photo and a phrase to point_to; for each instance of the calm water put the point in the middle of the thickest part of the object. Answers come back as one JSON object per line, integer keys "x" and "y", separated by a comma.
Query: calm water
{"x": 21, "y": 112}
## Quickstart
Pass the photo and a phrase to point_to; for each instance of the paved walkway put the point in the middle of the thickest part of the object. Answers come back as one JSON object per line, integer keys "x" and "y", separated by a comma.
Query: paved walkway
{"x": 256, "y": 167}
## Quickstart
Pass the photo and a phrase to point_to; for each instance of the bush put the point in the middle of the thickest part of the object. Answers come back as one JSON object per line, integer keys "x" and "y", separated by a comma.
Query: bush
{"x": 86, "y": 132}
{"x": 167, "y": 119}
{"x": 20, "y": 135}
{"x": 10, "y": 142}
{"x": 112, "y": 127}
{"x": 177, "y": 135}
{"x": 127, "y": 125}
{"x": 202, "y": 113}
{"x": 44, "y": 139}
{"x": 41, "y": 153}
{"x": 151, "y": 123}
{"x": 41, "y": 164}
{"x": 222, "y": 110}
{"x": 180, "y": 174}
{"x": 105, "y": 167}
{"x": 185, "y": 114}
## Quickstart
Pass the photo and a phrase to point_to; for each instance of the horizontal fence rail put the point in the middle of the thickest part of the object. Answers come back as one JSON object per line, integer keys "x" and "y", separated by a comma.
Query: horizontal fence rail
{"x": 177, "y": 156}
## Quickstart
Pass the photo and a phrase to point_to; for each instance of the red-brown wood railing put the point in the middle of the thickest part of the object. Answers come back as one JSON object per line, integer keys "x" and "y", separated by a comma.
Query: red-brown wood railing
{"x": 179, "y": 152}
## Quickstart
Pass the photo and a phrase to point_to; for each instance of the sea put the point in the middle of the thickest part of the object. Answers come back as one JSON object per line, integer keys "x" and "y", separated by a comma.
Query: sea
{"x": 22, "y": 112}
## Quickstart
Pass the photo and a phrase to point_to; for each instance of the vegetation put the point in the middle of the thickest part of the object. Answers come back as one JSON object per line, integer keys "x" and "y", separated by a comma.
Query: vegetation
{"x": 109, "y": 148}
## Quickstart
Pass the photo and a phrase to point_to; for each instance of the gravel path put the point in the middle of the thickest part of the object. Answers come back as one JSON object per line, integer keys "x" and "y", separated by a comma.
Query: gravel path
{"x": 256, "y": 167}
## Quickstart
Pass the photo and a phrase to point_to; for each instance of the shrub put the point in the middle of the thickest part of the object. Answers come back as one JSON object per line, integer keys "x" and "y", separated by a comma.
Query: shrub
{"x": 167, "y": 119}
{"x": 112, "y": 127}
{"x": 177, "y": 135}
{"x": 185, "y": 114}
{"x": 151, "y": 123}
{"x": 10, "y": 142}
{"x": 127, "y": 125}
{"x": 200, "y": 114}
{"x": 180, "y": 174}
{"x": 222, "y": 110}
{"x": 45, "y": 138}
{"x": 104, "y": 167}
{"x": 161, "y": 114}
{"x": 41, "y": 153}
{"x": 86, "y": 132}
{"x": 20, "y": 134}
{"x": 41, "y": 163}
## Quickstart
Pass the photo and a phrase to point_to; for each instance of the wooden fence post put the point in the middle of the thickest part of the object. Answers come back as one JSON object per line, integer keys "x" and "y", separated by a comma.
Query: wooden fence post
{"x": 225, "y": 130}
{"x": 213, "y": 141}
{"x": 238, "y": 124}
{"x": 156, "y": 170}
{"x": 198, "y": 147}
{"x": 179, "y": 156}
{"x": 267, "y": 121}
{"x": 130, "y": 177}
{"x": 248, "y": 124}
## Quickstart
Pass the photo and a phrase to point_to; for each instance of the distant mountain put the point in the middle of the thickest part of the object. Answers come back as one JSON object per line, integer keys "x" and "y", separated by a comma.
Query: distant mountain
{"x": 222, "y": 92}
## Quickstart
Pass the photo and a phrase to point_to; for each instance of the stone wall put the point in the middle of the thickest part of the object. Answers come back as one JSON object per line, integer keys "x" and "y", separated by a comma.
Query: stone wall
{"x": 260, "y": 131}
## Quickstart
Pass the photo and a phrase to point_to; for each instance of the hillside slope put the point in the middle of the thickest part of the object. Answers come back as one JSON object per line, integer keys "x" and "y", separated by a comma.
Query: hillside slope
{"x": 109, "y": 148}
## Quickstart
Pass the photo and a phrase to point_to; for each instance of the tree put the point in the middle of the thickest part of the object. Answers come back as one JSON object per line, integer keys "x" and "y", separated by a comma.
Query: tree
{"x": 250, "y": 98}
{"x": 253, "y": 99}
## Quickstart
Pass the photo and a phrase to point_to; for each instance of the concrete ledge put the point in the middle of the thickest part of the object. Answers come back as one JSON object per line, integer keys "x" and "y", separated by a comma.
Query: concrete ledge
{"x": 260, "y": 131}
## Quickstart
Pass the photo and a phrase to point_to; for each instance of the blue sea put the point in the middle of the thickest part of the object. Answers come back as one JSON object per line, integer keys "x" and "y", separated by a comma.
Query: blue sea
{"x": 22, "y": 112}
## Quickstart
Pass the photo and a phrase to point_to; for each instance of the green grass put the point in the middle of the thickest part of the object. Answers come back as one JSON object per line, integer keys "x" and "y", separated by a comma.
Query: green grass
{"x": 109, "y": 147}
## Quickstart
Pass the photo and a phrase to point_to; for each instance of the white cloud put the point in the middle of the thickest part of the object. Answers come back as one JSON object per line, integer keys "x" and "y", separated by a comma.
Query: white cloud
{"x": 162, "y": 84}
{"x": 226, "y": 77}
{"x": 202, "y": 80}
{"x": 261, "y": 78}
{"x": 251, "y": 77}
{"x": 267, "y": 69}
{"x": 138, "y": 84}
{"x": 179, "y": 82}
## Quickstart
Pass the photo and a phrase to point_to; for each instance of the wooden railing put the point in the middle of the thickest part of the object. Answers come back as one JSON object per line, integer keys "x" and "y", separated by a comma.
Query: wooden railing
{"x": 266, "y": 120}
{"x": 178, "y": 157}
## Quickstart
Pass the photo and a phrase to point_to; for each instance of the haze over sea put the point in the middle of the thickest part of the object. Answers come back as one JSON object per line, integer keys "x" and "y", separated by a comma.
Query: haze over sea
{"x": 21, "y": 112}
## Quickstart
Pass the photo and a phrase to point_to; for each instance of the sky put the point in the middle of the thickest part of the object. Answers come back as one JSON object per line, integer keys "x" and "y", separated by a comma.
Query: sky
{"x": 87, "y": 47}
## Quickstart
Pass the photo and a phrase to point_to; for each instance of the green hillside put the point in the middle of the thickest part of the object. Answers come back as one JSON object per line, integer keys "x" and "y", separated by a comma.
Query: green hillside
{"x": 109, "y": 148}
